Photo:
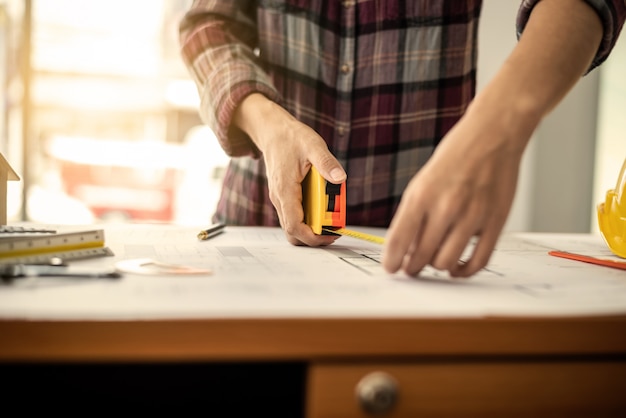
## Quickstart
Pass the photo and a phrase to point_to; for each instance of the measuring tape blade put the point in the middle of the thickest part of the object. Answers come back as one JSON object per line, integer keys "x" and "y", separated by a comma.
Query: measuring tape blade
{"x": 356, "y": 234}
{"x": 63, "y": 255}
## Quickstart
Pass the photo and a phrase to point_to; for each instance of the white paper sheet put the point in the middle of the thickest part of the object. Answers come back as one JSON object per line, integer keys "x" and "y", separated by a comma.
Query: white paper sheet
{"x": 257, "y": 273}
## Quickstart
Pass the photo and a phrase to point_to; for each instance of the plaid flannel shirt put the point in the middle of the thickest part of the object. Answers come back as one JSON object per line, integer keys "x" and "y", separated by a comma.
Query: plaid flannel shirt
{"x": 381, "y": 81}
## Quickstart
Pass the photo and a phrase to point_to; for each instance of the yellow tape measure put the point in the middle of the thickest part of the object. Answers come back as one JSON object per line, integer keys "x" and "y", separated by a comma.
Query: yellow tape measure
{"x": 324, "y": 207}
{"x": 355, "y": 234}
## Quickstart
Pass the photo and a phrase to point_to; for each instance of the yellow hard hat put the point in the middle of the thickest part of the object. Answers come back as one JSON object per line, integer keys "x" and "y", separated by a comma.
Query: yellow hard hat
{"x": 612, "y": 216}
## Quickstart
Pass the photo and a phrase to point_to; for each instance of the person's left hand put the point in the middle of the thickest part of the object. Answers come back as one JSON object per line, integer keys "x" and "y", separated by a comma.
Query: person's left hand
{"x": 465, "y": 190}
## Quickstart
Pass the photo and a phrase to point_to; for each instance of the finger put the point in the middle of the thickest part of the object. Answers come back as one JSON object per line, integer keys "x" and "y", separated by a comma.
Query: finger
{"x": 488, "y": 237}
{"x": 297, "y": 232}
{"x": 289, "y": 205}
{"x": 451, "y": 250}
{"x": 327, "y": 165}
{"x": 305, "y": 236}
{"x": 434, "y": 232}
{"x": 406, "y": 227}
{"x": 276, "y": 202}
{"x": 481, "y": 253}
{"x": 439, "y": 223}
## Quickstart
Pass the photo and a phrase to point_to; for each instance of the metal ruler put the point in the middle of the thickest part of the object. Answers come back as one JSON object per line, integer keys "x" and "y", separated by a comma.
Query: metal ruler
{"x": 61, "y": 256}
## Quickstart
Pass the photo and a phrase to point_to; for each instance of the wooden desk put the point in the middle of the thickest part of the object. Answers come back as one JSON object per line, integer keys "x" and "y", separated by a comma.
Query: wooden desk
{"x": 315, "y": 367}
{"x": 442, "y": 367}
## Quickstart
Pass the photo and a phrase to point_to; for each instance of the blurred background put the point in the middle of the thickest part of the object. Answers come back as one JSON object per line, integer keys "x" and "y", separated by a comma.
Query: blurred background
{"x": 100, "y": 117}
{"x": 100, "y": 120}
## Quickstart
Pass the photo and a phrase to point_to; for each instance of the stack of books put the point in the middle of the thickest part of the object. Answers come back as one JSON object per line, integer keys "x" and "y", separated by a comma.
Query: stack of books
{"x": 40, "y": 246}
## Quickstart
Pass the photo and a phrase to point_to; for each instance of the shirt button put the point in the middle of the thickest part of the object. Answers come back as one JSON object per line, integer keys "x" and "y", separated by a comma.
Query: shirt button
{"x": 341, "y": 131}
{"x": 345, "y": 68}
{"x": 348, "y": 3}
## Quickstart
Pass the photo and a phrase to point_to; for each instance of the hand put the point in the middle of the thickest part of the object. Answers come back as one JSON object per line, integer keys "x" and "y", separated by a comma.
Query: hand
{"x": 289, "y": 148}
{"x": 467, "y": 187}
{"x": 464, "y": 191}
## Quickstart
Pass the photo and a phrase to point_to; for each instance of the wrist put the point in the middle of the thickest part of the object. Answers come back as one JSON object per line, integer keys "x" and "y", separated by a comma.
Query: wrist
{"x": 253, "y": 115}
{"x": 509, "y": 108}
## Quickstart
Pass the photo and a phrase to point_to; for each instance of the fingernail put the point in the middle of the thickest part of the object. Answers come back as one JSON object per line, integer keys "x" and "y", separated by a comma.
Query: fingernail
{"x": 338, "y": 174}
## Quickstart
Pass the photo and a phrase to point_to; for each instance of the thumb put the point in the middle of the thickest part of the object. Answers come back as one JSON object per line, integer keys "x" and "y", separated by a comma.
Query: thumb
{"x": 329, "y": 167}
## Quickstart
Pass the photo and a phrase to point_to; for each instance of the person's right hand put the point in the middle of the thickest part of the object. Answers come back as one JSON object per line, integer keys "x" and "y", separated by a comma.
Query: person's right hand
{"x": 289, "y": 148}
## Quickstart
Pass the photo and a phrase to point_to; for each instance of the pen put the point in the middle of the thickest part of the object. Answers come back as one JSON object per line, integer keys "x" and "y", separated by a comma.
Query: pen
{"x": 211, "y": 232}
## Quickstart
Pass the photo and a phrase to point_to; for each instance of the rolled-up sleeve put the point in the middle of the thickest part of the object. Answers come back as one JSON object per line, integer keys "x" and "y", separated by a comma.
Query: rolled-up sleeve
{"x": 611, "y": 12}
{"x": 217, "y": 39}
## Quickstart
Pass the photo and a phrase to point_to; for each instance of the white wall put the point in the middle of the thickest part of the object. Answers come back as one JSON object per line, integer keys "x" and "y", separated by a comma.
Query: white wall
{"x": 496, "y": 39}
{"x": 555, "y": 187}
{"x": 611, "y": 144}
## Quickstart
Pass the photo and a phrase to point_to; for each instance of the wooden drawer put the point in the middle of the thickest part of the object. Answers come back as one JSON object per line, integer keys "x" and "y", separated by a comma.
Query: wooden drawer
{"x": 472, "y": 389}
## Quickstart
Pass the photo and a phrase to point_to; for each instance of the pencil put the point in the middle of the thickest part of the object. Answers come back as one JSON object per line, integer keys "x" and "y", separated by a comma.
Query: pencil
{"x": 589, "y": 259}
{"x": 211, "y": 232}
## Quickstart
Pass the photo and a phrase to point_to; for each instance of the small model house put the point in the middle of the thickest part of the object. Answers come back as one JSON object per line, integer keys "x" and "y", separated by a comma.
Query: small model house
{"x": 6, "y": 173}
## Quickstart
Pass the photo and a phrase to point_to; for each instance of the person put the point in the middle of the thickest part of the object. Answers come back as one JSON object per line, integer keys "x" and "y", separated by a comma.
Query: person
{"x": 382, "y": 95}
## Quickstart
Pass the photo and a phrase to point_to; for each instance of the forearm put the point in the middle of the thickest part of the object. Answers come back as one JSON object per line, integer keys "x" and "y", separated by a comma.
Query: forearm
{"x": 555, "y": 50}
{"x": 217, "y": 41}
{"x": 256, "y": 114}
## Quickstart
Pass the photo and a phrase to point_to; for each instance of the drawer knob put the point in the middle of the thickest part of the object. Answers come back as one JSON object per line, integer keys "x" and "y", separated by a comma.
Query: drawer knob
{"x": 377, "y": 393}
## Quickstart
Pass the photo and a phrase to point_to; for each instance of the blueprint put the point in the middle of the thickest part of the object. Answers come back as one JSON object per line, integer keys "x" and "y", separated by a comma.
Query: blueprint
{"x": 254, "y": 272}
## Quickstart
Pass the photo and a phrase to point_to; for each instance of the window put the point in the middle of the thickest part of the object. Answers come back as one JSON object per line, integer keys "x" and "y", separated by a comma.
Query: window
{"x": 102, "y": 120}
